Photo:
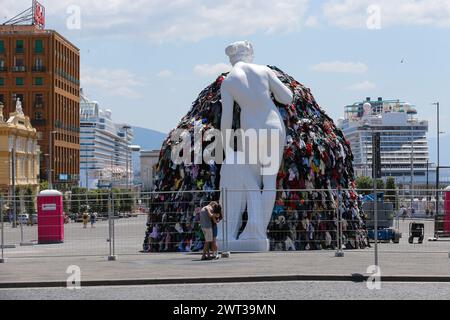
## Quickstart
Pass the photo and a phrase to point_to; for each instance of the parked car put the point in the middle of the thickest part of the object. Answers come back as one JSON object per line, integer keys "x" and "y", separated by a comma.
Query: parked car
{"x": 134, "y": 214}
{"x": 34, "y": 218}
{"x": 22, "y": 218}
{"x": 102, "y": 216}
{"x": 79, "y": 218}
{"x": 123, "y": 215}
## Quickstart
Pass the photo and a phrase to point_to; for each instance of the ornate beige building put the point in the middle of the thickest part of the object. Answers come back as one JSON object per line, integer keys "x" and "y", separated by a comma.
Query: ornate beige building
{"x": 18, "y": 144}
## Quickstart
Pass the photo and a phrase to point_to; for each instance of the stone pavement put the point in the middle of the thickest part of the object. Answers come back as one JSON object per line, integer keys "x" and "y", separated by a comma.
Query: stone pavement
{"x": 187, "y": 268}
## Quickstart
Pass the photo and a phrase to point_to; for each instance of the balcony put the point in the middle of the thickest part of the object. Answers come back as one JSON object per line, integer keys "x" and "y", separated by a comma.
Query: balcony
{"x": 3, "y": 69}
{"x": 39, "y": 69}
{"x": 20, "y": 50}
{"x": 19, "y": 69}
{"x": 38, "y": 122}
{"x": 39, "y": 105}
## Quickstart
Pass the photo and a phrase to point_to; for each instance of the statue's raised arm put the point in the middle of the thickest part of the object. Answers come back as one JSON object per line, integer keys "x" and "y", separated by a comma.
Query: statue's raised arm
{"x": 282, "y": 93}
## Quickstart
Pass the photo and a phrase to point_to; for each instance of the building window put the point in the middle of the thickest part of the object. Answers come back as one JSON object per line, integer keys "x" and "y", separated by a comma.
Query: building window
{"x": 38, "y": 115}
{"x": 38, "y": 65}
{"x": 39, "y": 100}
{"x": 19, "y": 65}
{"x": 2, "y": 98}
{"x": 2, "y": 46}
{"x": 38, "y": 46}
{"x": 19, "y": 46}
{"x": 2, "y": 81}
{"x": 20, "y": 81}
{"x": 38, "y": 81}
{"x": 2, "y": 65}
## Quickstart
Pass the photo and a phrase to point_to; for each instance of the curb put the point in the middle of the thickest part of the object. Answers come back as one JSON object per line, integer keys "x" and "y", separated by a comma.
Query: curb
{"x": 357, "y": 278}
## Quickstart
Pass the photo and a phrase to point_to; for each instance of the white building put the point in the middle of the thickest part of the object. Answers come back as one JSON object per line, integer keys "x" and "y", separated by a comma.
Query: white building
{"x": 404, "y": 146}
{"x": 105, "y": 154}
{"x": 149, "y": 161}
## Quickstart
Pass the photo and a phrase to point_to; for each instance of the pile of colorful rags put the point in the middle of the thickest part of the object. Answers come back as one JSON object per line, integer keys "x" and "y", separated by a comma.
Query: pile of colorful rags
{"x": 317, "y": 161}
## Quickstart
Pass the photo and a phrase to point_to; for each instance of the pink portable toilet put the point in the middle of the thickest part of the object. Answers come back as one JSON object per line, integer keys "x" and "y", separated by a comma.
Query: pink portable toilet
{"x": 447, "y": 212}
{"x": 50, "y": 217}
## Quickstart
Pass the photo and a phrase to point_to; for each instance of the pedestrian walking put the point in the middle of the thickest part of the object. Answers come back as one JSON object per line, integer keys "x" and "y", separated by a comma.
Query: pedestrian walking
{"x": 403, "y": 212}
{"x": 93, "y": 218}
{"x": 85, "y": 220}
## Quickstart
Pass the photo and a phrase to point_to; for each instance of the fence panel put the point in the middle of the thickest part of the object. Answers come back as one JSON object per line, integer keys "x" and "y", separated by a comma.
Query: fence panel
{"x": 302, "y": 220}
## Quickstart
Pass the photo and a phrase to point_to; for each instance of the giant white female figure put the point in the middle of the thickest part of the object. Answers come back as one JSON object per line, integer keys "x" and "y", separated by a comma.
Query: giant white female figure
{"x": 250, "y": 174}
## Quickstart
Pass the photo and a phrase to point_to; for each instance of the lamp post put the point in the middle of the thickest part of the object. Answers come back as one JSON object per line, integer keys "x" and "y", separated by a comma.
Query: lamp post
{"x": 368, "y": 127}
{"x": 126, "y": 128}
{"x": 437, "y": 104}
{"x": 412, "y": 163}
{"x": 13, "y": 185}
{"x": 367, "y": 156}
{"x": 50, "y": 165}
{"x": 428, "y": 179}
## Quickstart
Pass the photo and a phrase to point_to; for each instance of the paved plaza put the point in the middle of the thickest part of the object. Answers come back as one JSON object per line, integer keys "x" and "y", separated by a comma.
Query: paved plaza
{"x": 130, "y": 232}
{"x": 89, "y": 249}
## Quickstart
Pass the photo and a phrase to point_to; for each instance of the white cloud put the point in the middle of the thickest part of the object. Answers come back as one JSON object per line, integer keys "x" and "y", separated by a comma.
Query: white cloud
{"x": 200, "y": 19}
{"x": 165, "y": 74}
{"x": 174, "y": 20}
{"x": 312, "y": 21}
{"x": 211, "y": 70}
{"x": 341, "y": 67}
{"x": 363, "y": 86}
{"x": 115, "y": 82}
{"x": 353, "y": 14}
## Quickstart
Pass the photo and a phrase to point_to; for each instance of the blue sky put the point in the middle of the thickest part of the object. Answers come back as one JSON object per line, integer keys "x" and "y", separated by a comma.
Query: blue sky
{"x": 148, "y": 59}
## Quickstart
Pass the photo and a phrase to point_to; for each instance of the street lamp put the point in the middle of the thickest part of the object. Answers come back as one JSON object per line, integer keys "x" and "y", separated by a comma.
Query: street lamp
{"x": 368, "y": 127}
{"x": 411, "y": 112}
{"x": 366, "y": 165}
{"x": 13, "y": 185}
{"x": 437, "y": 104}
{"x": 50, "y": 166}
{"x": 126, "y": 128}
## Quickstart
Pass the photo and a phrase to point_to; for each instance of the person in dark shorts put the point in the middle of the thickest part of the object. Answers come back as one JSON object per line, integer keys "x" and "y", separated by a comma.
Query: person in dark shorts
{"x": 206, "y": 222}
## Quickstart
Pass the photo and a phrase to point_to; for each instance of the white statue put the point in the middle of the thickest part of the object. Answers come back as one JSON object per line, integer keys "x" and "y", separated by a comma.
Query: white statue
{"x": 19, "y": 107}
{"x": 251, "y": 86}
{"x": 1, "y": 112}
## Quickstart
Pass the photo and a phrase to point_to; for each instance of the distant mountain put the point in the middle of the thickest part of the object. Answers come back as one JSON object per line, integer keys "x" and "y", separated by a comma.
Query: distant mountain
{"x": 148, "y": 139}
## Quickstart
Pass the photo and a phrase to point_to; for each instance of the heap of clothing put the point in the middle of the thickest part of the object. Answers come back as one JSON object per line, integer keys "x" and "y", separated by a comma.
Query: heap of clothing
{"x": 317, "y": 161}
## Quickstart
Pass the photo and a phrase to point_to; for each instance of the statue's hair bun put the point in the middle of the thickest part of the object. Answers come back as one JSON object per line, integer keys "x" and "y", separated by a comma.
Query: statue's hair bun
{"x": 239, "y": 48}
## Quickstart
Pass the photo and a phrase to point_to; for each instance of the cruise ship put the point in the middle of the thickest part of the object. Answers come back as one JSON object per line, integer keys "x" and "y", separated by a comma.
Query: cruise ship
{"x": 404, "y": 146}
{"x": 105, "y": 158}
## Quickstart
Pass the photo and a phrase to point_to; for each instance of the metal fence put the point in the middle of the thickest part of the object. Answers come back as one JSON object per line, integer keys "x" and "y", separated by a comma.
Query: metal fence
{"x": 109, "y": 225}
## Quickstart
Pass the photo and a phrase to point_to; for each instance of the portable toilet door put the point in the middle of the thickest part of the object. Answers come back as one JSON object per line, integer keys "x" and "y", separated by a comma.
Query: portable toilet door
{"x": 50, "y": 217}
{"x": 446, "y": 218}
